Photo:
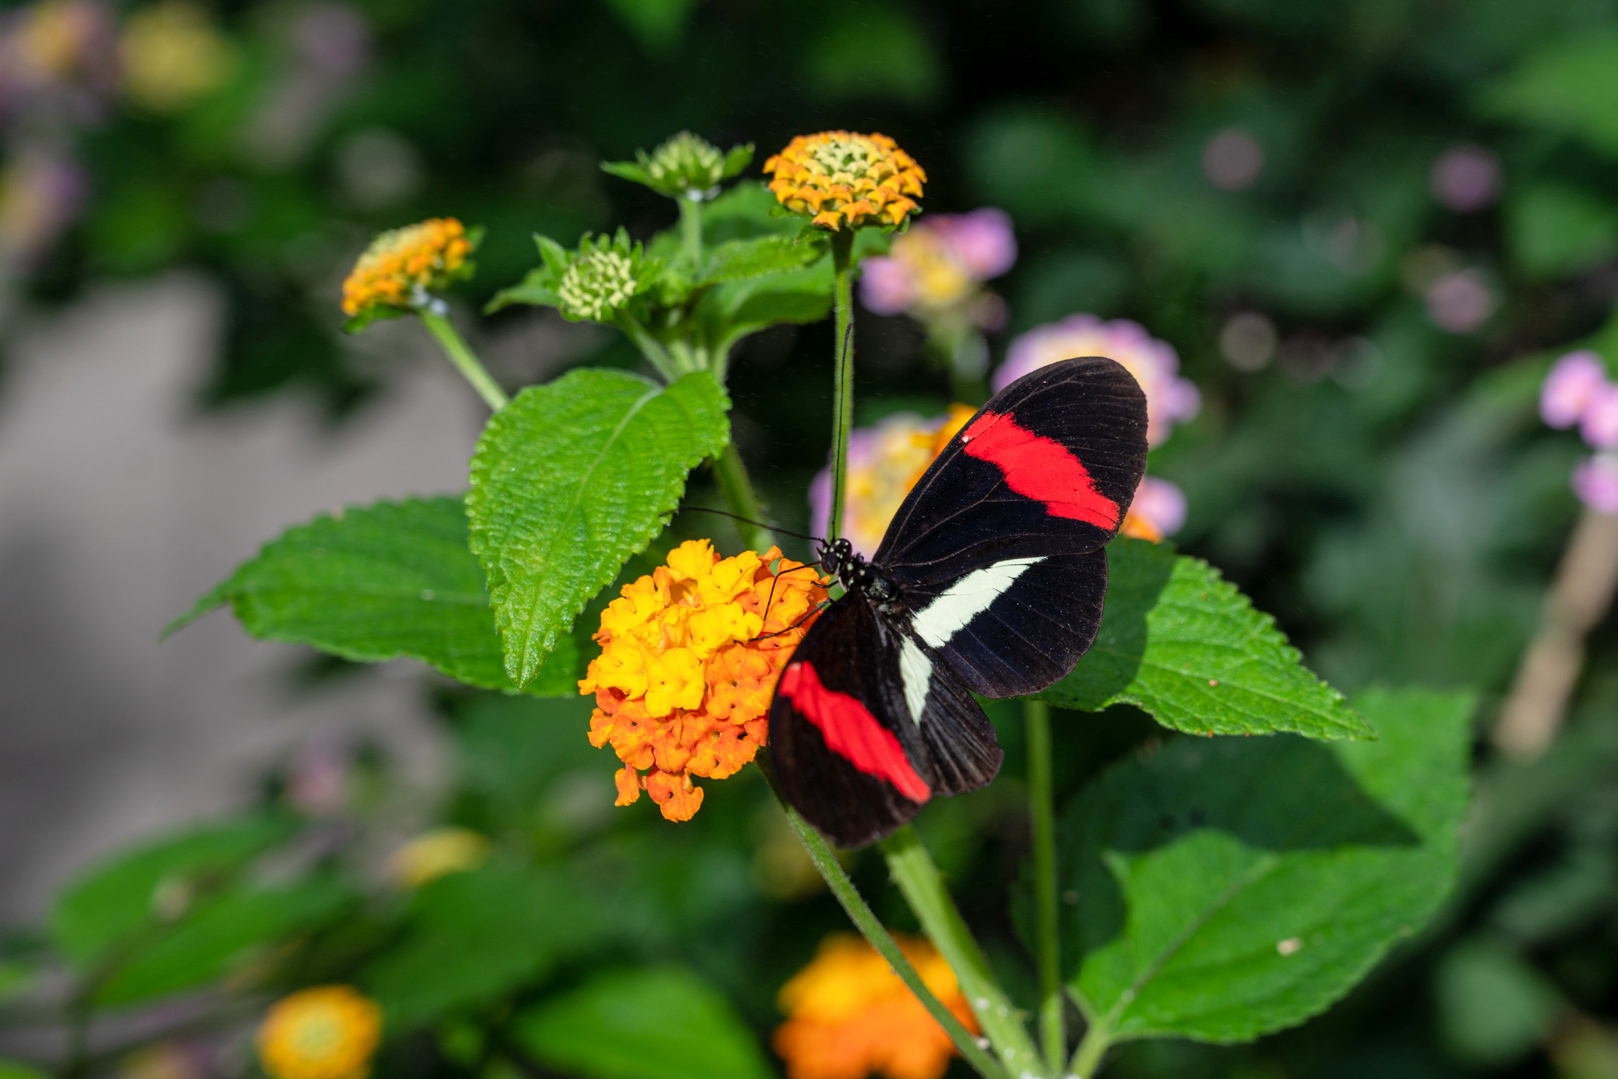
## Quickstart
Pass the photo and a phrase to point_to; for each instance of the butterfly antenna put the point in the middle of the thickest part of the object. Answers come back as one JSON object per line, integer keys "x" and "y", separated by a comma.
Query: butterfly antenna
{"x": 816, "y": 609}
{"x": 756, "y": 524}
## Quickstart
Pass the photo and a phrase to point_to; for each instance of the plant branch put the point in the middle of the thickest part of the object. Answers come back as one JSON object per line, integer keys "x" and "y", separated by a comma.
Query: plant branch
{"x": 1047, "y": 941}
{"x": 842, "y": 260}
{"x": 731, "y": 474}
{"x": 691, "y": 231}
{"x": 865, "y": 920}
{"x": 1092, "y": 1047}
{"x": 1579, "y": 597}
{"x": 464, "y": 359}
{"x": 917, "y": 877}
{"x": 649, "y": 346}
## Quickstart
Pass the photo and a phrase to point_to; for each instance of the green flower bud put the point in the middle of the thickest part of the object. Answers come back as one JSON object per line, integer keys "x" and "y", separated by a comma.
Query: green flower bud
{"x": 685, "y": 167}
{"x": 595, "y": 285}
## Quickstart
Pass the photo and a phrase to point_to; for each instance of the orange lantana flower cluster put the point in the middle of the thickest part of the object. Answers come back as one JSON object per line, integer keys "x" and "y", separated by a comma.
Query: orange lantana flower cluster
{"x": 402, "y": 265}
{"x": 689, "y": 659}
{"x": 328, "y": 1032}
{"x": 845, "y": 178}
{"x": 850, "y": 1016}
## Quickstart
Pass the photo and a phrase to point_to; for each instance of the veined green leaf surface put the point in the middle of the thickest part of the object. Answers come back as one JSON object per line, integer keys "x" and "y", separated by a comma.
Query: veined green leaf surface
{"x": 1225, "y": 888}
{"x": 736, "y": 260}
{"x": 1181, "y": 642}
{"x": 572, "y": 478}
{"x": 664, "y": 1023}
{"x": 380, "y": 582}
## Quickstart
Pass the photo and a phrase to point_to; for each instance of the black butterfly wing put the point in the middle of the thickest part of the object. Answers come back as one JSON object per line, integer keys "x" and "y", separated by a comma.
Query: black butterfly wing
{"x": 996, "y": 552}
{"x": 1047, "y": 467}
{"x": 865, "y": 728}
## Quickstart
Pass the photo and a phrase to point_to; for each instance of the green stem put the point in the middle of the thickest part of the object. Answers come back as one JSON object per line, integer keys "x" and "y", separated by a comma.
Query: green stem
{"x": 464, "y": 359}
{"x": 1042, "y": 817}
{"x": 649, "y": 346}
{"x": 691, "y": 231}
{"x": 865, "y": 920}
{"x": 1092, "y": 1047}
{"x": 918, "y": 878}
{"x": 734, "y": 484}
{"x": 842, "y": 263}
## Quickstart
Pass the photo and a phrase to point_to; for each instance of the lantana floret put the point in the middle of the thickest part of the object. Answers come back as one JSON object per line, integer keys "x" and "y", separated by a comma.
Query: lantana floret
{"x": 689, "y": 658}
{"x": 404, "y": 269}
{"x": 685, "y": 166}
{"x": 839, "y": 178}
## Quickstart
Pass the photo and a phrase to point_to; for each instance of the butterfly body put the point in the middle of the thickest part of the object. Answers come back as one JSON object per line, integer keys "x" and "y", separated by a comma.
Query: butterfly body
{"x": 989, "y": 581}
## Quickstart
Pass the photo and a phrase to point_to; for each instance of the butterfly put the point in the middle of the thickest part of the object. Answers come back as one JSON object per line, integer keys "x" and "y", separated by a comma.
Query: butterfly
{"x": 989, "y": 580}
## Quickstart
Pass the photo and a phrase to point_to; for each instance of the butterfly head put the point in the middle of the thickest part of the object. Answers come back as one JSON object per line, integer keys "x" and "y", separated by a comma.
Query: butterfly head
{"x": 854, "y": 573}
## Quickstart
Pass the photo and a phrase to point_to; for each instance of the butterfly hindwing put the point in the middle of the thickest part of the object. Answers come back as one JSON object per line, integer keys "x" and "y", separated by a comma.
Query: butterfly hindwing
{"x": 1023, "y": 626}
{"x": 855, "y": 748}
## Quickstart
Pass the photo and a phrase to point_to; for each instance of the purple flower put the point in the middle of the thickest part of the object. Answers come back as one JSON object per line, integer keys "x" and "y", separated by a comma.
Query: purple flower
{"x": 1569, "y": 387}
{"x": 1157, "y": 511}
{"x": 1460, "y": 302}
{"x": 885, "y": 286}
{"x": 982, "y": 240}
{"x": 1600, "y": 426}
{"x": 1595, "y": 481}
{"x": 1465, "y": 178}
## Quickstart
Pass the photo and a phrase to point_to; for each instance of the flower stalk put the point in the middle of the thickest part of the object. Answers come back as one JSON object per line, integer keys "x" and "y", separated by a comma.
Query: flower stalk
{"x": 1047, "y": 939}
{"x": 842, "y": 255}
{"x": 918, "y": 878}
{"x": 865, "y": 920}
{"x": 461, "y": 355}
{"x": 737, "y": 488}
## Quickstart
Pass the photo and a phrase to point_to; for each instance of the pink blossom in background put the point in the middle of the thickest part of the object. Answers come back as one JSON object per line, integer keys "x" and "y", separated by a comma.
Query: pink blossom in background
{"x": 41, "y": 192}
{"x": 1465, "y": 179}
{"x": 1600, "y": 421}
{"x": 1595, "y": 481}
{"x": 1569, "y": 386}
{"x": 982, "y": 240}
{"x": 1157, "y": 511}
{"x": 939, "y": 262}
{"x": 1170, "y": 399}
{"x": 883, "y": 462}
{"x": 1460, "y": 302}
{"x": 1232, "y": 159}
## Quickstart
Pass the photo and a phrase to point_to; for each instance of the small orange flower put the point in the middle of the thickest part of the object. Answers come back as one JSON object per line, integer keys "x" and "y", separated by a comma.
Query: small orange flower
{"x": 849, "y": 1015}
{"x": 689, "y": 659}
{"x": 328, "y": 1032}
{"x": 844, "y": 178}
{"x": 401, "y": 268}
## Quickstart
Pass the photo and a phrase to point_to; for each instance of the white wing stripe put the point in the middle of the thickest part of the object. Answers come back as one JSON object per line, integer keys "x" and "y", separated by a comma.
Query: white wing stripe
{"x": 952, "y": 609}
{"x": 916, "y": 672}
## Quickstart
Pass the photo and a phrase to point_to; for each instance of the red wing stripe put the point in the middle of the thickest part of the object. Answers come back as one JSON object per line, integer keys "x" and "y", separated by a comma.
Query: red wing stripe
{"x": 1039, "y": 468}
{"x": 851, "y": 731}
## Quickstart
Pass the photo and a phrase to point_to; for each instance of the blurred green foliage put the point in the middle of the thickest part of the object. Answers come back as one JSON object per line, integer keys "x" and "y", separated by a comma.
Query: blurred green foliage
{"x": 1372, "y": 472}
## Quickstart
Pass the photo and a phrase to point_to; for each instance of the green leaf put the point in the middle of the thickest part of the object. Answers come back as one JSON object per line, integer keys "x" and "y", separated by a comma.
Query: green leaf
{"x": 472, "y": 938}
{"x": 377, "y": 312}
{"x": 627, "y": 170}
{"x": 379, "y": 582}
{"x": 736, "y": 260}
{"x": 1554, "y": 229}
{"x": 219, "y": 934}
{"x": 15, "y": 1069}
{"x": 664, "y": 1023}
{"x": 1569, "y": 86}
{"x": 735, "y": 309}
{"x": 737, "y": 158}
{"x": 534, "y": 289}
{"x": 1228, "y": 888}
{"x": 1181, "y": 642}
{"x": 572, "y": 478}
{"x": 747, "y": 209}
{"x": 123, "y": 895}
{"x": 1493, "y": 1007}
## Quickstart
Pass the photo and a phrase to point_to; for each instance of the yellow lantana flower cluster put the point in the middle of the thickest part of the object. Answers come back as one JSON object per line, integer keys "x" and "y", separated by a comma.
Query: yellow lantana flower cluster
{"x": 402, "y": 266}
{"x": 850, "y": 1016}
{"x": 689, "y": 658}
{"x": 845, "y": 178}
{"x": 328, "y": 1032}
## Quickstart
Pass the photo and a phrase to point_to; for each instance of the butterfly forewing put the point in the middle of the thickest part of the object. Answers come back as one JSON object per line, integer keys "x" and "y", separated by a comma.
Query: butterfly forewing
{"x": 857, "y": 742}
{"x": 1047, "y": 467}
